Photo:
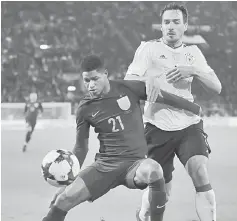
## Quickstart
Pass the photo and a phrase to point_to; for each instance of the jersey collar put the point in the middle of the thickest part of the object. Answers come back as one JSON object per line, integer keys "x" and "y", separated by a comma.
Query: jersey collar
{"x": 178, "y": 49}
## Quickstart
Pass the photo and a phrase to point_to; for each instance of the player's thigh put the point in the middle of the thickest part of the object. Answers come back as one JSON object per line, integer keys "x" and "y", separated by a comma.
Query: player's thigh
{"x": 30, "y": 125}
{"x": 99, "y": 182}
{"x": 194, "y": 143}
{"x": 161, "y": 145}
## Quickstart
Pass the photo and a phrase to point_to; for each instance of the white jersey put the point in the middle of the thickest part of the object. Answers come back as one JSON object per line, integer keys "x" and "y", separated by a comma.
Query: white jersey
{"x": 156, "y": 58}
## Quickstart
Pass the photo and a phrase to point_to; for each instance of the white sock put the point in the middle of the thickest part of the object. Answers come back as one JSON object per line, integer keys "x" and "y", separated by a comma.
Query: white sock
{"x": 206, "y": 205}
{"x": 145, "y": 207}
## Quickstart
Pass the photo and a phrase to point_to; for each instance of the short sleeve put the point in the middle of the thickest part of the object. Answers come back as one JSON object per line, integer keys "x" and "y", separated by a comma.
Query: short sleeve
{"x": 142, "y": 60}
{"x": 200, "y": 61}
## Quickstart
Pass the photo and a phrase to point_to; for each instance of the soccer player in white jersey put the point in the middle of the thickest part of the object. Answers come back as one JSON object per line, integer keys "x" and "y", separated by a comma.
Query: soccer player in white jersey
{"x": 168, "y": 64}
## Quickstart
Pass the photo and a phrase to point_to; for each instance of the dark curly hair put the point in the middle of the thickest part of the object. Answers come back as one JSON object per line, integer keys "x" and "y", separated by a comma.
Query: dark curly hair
{"x": 91, "y": 63}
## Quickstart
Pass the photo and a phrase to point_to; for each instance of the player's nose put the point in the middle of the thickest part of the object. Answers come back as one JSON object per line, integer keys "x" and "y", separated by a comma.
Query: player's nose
{"x": 91, "y": 85}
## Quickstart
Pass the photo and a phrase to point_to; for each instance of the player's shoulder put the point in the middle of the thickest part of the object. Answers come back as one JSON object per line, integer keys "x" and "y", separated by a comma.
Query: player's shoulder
{"x": 126, "y": 83}
{"x": 83, "y": 104}
{"x": 158, "y": 40}
{"x": 119, "y": 84}
{"x": 192, "y": 48}
{"x": 149, "y": 45}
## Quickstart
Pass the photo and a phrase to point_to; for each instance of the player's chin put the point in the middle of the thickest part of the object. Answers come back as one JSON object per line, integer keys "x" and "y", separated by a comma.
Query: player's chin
{"x": 172, "y": 38}
{"x": 95, "y": 93}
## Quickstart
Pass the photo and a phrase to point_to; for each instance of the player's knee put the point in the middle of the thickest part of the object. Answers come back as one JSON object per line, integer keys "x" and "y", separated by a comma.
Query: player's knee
{"x": 28, "y": 128}
{"x": 197, "y": 169}
{"x": 63, "y": 199}
{"x": 66, "y": 201}
{"x": 152, "y": 171}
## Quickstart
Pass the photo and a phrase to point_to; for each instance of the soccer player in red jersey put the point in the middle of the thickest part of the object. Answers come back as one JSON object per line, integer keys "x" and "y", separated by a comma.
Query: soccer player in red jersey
{"x": 32, "y": 109}
{"x": 113, "y": 109}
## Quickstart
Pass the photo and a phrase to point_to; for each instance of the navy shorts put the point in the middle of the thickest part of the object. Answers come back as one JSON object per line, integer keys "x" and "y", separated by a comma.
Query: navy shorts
{"x": 186, "y": 143}
{"x": 31, "y": 123}
{"x": 99, "y": 181}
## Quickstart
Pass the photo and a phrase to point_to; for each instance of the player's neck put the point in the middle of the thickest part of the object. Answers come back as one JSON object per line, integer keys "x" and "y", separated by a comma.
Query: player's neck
{"x": 106, "y": 88}
{"x": 173, "y": 45}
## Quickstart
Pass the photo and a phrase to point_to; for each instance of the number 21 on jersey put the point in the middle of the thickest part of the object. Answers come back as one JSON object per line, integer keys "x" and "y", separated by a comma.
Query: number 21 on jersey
{"x": 114, "y": 121}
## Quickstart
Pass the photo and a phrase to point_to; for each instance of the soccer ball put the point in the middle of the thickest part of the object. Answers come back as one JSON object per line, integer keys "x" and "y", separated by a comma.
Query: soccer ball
{"x": 60, "y": 167}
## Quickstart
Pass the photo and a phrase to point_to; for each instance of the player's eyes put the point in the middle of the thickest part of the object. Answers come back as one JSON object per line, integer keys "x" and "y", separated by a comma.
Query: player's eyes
{"x": 95, "y": 79}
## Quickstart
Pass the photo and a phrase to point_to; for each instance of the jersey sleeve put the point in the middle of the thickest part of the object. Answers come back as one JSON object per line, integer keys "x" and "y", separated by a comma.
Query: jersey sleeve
{"x": 142, "y": 60}
{"x": 137, "y": 87}
{"x": 200, "y": 61}
{"x": 82, "y": 125}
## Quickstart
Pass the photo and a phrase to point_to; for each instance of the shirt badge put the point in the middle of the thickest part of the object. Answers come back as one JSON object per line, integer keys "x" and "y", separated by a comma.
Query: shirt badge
{"x": 124, "y": 103}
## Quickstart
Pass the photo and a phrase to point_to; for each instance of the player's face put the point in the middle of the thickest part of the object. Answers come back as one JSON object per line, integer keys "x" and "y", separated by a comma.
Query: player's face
{"x": 33, "y": 97}
{"x": 173, "y": 26}
{"x": 96, "y": 81}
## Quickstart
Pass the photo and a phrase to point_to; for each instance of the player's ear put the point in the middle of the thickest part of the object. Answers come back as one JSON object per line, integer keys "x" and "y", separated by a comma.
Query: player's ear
{"x": 186, "y": 26}
{"x": 106, "y": 72}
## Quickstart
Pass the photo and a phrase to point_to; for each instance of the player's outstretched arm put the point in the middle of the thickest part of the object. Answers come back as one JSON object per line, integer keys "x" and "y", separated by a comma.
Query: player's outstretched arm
{"x": 81, "y": 149}
{"x": 82, "y": 134}
{"x": 139, "y": 88}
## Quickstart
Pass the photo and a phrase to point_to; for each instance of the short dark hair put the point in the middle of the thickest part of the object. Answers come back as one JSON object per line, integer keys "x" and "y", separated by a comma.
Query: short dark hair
{"x": 176, "y": 6}
{"x": 91, "y": 63}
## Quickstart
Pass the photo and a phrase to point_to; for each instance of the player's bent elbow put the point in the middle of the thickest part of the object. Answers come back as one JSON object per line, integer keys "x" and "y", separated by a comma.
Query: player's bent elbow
{"x": 219, "y": 88}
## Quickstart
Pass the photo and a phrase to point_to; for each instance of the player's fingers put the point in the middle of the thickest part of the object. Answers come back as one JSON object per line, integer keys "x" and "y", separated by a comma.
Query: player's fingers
{"x": 148, "y": 90}
{"x": 174, "y": 78}
{"x": 173, "y": 74}
{"x": 149, "y": 98}
{"x": 154, "y": 95}
{"x": 177, "y": 78}
{"x": 171, "y": 71}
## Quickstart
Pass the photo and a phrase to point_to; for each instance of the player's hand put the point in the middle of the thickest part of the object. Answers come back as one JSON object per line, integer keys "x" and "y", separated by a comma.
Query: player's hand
{"x": 179, "y": 72}
{"x": 152, "y": 89}
{"x": 56, "y": 196}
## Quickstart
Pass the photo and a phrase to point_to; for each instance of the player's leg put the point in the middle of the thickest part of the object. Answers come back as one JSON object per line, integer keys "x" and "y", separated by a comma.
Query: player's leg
{"x": 149, "y": 173}
{"x": 193, "y": 153}
{"x": 29, "y": 130}
{"x": 92, "y": 183}
{"x": 73, "y": 195}
{"x": 161, "y": 147}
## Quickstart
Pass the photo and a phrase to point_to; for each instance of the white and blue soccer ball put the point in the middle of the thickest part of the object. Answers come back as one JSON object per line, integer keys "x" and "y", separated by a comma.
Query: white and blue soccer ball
{"x": 60, "y": 167}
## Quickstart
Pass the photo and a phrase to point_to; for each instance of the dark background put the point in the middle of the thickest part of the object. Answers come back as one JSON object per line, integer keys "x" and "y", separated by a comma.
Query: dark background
{"x": 112, "y": 29}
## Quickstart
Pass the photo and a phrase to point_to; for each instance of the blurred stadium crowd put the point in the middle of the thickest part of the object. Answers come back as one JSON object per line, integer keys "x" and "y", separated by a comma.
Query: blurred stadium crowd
{"x": 112, "y": 29}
